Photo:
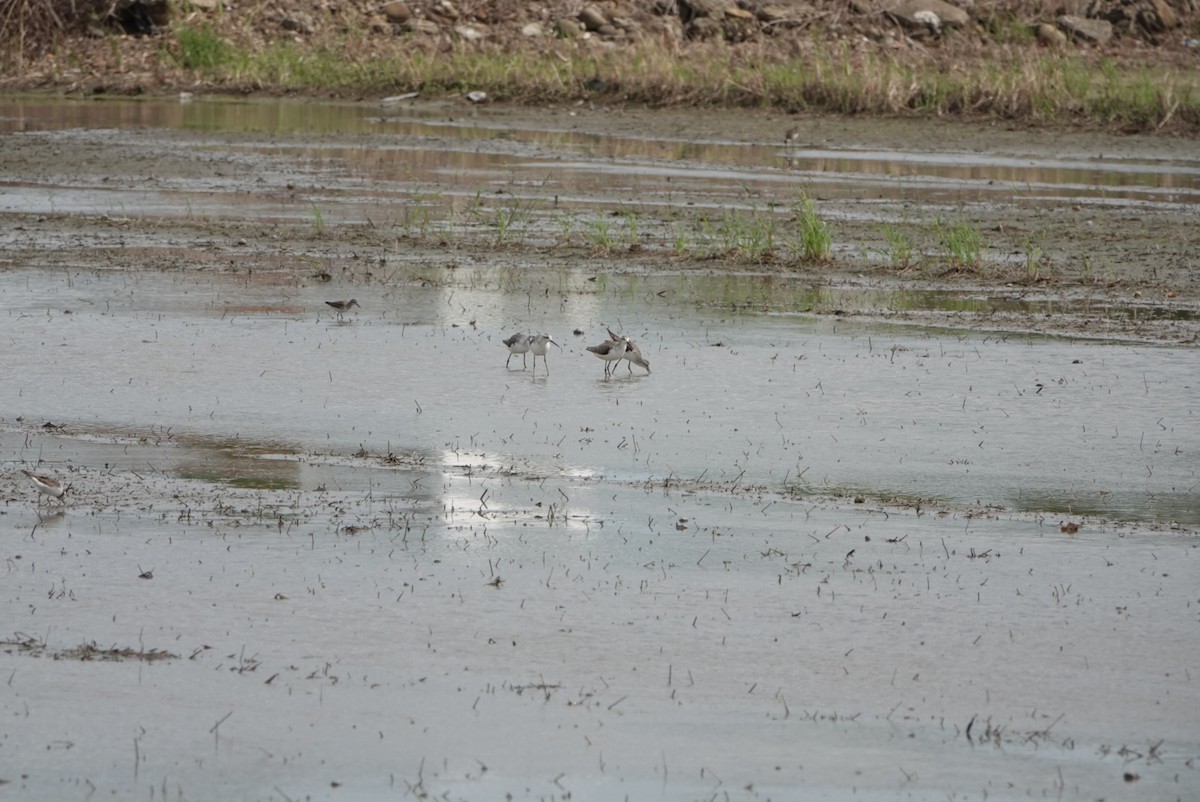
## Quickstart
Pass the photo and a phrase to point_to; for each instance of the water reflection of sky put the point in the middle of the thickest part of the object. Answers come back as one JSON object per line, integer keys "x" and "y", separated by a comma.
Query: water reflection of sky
{"x": 789, "y": 401}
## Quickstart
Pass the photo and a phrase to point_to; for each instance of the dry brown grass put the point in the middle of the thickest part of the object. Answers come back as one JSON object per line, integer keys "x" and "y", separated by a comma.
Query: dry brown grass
{"x": 995, "y": 71}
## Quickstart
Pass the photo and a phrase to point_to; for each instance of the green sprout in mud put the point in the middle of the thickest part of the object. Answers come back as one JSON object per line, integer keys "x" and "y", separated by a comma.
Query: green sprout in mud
{"x": 900, "y": 250}
{"x": 961, "y": 243}
{"x": 750, "y": 237}
{"x": 417, "y": 217}
{"x": 679, "y": 243}
{"x": 317, "y": 220}
{"x": 566, "y": 228}
{"x": 632, "y": 237}
{"x": 509, "y": 219}
{"x": 1034, "y": 256}
{"x": 814, "y": 240}
{"x": 599, "y": 234}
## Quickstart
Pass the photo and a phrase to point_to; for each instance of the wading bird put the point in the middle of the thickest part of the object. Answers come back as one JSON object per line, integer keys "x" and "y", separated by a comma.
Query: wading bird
{"x": 611, "y": 351}
{"x": 633, "y": 354}
{"x": 538, "y": 345}
{"x": 517, "y": 344}
{"x": 48, "y": 486}
{"x": 343, "y": 306}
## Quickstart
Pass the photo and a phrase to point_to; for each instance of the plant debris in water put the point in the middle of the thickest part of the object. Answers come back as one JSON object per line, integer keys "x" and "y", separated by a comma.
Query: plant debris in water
{"x": 29, "y": 646}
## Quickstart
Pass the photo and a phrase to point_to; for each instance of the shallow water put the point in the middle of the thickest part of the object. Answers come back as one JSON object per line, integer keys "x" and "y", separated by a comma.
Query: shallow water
{"x": 780, "y": 399}
{"x": 649, "y": 643}
{"x": 809, "y": 556}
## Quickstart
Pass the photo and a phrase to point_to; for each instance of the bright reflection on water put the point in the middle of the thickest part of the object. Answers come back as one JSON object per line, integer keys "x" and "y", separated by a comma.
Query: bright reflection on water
{"x": 784, "y": 400}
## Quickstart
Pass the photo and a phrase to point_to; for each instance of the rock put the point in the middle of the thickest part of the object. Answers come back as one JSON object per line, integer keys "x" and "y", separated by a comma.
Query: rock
{"x": 690, "y": 10}
{"x": 1050, "y": 36}
{"x": 703, "y": 28}
{"x": 774, "y": 13}
{"x": 422, "y": 25}
{"x": 928, "y": 19}
{"x": 1095, "y": 31}
{"x": 608, "y": 31}
{"x": 1156, "y": 16}
{"x": 205, "y": 5}
{"x": 592, "y": 18}
{"x": 915, "y": 14}
{"x": 567, "y": 28}
{"x": 397, "y": 13}
{"x": 444, "y": 8}
{"x": 467, "y": 33}
{"x": 299, "y": 23}
{"x": 532, "y": 31}
{"x": 861, "y": 7}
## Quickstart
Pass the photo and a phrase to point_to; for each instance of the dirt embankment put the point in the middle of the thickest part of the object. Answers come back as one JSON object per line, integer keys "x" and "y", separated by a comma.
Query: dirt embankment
{"x": 134, "y": 46}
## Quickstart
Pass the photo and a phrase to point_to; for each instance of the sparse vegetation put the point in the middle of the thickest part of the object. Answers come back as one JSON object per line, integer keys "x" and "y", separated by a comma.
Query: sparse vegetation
{"x": 815, "y": 240}
{"x": 1013, "y": 78}
{"x": 318, "y": 221}
{"x": 1034, "y": 256}
{"x": 900, "y": 250}
{"x": 747, "y": 237}
{"x": 961, "y": 243}
{"x": 599, "y": 233}
{"x": 200, "y": 49}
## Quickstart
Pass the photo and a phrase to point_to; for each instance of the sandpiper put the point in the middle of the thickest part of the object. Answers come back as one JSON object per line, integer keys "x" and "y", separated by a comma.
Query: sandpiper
{"x": 343, "y": 306}
{"x": 633, "y": 354}
{"x": 538, "y": 345}
{"x": 48, "y": 486}
{"x": 791, "y": 135}
{"x": 517, "y": 344}
{"x": 611, "y": 351}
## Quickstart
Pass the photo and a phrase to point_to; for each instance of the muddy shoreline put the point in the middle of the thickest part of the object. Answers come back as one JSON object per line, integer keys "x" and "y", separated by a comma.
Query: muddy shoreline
{"x": 1093, "y": 257}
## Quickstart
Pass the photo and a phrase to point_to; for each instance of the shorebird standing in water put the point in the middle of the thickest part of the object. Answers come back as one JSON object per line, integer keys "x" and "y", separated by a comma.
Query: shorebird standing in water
{"x": 343, "y": 306}
{"x": 633, "y": 354}
{"x": 48, "y": 486}
{"x": 517, "y": 344}
{"x": 611, "y": 351}
{"x": 538, "y": 345}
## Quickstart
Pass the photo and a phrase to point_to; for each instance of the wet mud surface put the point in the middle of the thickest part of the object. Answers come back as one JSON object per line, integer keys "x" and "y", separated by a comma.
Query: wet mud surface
{"x": 1081, "y": 234}
{"x": 862, "y": 533}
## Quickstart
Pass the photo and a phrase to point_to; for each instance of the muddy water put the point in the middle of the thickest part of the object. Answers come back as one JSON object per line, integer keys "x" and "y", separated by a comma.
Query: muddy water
{"x": 794, "y": 403}
{"x": 809, "y": 555}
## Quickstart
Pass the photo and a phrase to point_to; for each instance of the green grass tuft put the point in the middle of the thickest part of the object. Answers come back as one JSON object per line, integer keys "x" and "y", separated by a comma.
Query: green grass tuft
{"x": 961, "y": 242}
{"x": 200, "y": 49}
{"x": 815, "y": 239}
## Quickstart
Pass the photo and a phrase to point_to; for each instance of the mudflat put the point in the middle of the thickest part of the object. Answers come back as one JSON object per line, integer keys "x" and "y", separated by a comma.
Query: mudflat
{"x": 872, "y": 527}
